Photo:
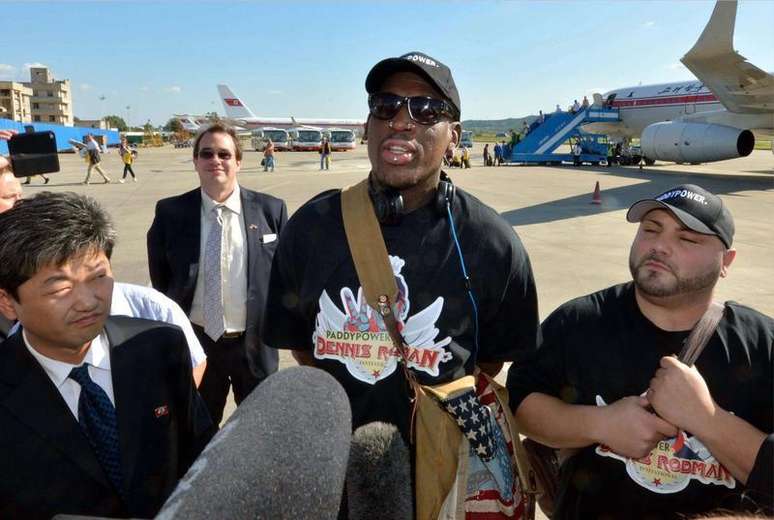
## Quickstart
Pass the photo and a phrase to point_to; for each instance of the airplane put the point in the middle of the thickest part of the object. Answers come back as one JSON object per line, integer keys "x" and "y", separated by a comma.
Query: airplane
{"x": 190, "y": 123}
{"x": 714, "y": 118}
{"x": 240, "y": 114}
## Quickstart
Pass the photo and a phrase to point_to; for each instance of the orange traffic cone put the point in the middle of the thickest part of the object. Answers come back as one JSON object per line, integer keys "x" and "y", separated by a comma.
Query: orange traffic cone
{"x": 597, "y": 197}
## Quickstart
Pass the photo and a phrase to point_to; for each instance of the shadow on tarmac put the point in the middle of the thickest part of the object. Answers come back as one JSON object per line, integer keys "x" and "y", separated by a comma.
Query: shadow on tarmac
{"x": 621, "y": 198}
{"x": 57, "y": 184}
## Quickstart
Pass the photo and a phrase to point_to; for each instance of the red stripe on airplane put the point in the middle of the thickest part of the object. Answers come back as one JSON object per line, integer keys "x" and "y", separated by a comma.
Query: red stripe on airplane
{"x": 666, "y": 100}
{"x": 233, "y": 102}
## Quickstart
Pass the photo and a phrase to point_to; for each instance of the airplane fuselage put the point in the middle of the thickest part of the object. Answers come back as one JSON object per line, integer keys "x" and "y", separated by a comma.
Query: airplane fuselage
{"x": 686, "y": 101}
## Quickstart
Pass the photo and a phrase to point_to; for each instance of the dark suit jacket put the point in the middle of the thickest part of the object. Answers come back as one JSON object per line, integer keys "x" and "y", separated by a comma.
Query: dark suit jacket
{"x": 47, "y": 465}
{"x": 5, "y": 327}
{"x": 173, "y": 259}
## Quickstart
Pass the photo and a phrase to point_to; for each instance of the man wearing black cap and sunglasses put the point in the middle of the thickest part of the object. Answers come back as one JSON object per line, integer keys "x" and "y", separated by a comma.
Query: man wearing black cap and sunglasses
{"x": 467, "y": 296}
{"x": 657, "y": 437}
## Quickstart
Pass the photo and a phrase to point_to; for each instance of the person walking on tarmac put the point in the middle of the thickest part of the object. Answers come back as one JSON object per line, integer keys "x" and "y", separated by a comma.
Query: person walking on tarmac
{"x": 576, "y": 153}
{"x": 94, "y": 157}
{"x": 127, "y": 155}
{"x": 325, "y": 154}
{"x": 268, "y": 156}
{"x": 465, "y": 157}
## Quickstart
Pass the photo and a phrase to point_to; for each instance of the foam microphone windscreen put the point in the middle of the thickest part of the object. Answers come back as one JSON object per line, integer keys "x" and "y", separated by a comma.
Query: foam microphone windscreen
{"x": 379, "y": 475}
{"x": 282, "y": 454}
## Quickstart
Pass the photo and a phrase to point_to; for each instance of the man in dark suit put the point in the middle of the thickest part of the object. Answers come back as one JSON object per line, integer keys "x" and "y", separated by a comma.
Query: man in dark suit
{"x": 99, "y": 415}
{"x": 211, "y": 250}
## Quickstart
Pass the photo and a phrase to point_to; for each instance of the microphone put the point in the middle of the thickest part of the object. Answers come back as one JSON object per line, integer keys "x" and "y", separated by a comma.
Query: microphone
{"x": 282, "y": 454}
{"x": 379, "y": 475}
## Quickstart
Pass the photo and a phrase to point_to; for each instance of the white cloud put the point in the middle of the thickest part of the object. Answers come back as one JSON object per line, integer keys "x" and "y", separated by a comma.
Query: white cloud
{"x": 676, "y": 66}
{"x": 7, "y": 71}
{"x": 648, "y": 24}
{"x": 174, "y": 89}
{"x": 144, "y": 89}
{"x": 85, "y": 86}
{"x": 28, "y": 66}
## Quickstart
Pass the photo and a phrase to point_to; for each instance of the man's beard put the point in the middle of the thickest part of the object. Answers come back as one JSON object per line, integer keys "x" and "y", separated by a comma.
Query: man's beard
{"x": 653, "y": 284}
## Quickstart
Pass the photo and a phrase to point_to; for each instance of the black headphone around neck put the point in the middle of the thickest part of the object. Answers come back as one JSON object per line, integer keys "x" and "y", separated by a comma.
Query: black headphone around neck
{"x": 388, "y": 206}
{"x": 388, "y": 202}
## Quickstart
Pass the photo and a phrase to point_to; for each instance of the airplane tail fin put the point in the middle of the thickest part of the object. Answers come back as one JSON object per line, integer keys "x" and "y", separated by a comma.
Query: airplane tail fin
{"x": 718, "y": 36}
{"x": 189, "y": 123}
{"x": 234, "y": 106}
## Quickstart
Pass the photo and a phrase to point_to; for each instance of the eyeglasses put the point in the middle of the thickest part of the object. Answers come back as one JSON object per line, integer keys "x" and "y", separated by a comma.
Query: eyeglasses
{"x": 223, "y": 155}
{"x": 422, "y": 109}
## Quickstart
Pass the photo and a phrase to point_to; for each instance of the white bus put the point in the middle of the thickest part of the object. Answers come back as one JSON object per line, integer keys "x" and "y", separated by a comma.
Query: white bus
{"x": 341, "y": 139}
{"x": 306, "y": 139}
{"x": 467, "y": 139}
{"x": 278, "y": 136}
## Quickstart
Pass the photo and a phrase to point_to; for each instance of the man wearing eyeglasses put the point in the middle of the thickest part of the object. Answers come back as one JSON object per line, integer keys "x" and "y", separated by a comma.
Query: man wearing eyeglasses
{"x": 211, "y": 250}
{"x": 452, "y": 325}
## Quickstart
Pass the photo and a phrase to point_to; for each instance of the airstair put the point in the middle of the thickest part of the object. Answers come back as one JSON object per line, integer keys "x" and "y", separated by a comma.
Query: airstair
{"x": 540, "y": 143}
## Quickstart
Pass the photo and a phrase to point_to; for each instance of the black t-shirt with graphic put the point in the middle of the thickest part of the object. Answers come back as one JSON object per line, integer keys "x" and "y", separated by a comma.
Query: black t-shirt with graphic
{"x": 600, "y": 348}
{"x": 316, "y": 304}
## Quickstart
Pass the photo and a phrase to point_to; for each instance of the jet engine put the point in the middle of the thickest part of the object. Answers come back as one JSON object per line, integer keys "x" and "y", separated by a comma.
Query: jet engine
{"x": 694, "y": 142}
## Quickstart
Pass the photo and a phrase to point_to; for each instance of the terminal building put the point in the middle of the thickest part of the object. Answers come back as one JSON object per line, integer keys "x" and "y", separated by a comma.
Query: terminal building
{"x": 15, "y": 102}
{"x": 44, "y": 104}
{"x": 41, "y": 100}
{"x": 51, "y": 100}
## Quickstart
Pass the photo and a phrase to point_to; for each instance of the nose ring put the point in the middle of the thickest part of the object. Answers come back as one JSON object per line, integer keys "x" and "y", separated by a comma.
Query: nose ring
{"x": 409, "y": 124}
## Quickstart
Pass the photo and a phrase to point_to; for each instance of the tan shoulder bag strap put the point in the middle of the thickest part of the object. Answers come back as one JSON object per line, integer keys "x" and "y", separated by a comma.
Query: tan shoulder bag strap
{"x": 366, "y": 245}
{"x": 372, "y": 264}
{"x": 701, "y": 333}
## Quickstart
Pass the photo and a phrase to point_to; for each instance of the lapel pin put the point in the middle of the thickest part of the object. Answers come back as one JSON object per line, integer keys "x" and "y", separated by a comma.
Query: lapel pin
{"x": 161, "y": 411}
{"x": 252, "y": 226}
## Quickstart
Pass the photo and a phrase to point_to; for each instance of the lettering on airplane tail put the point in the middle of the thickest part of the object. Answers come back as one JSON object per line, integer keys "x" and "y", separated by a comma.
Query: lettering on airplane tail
{"x": 232, "y": 102}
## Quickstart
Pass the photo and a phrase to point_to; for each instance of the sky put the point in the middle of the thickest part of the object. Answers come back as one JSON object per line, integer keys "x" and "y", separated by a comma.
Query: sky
{"x": 146, "y": 60}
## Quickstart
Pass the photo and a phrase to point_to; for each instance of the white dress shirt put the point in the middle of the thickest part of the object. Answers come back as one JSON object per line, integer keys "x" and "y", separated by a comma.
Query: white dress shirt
{"x": 233, "y": 262}
{"x": 138, "y": 301}
{"x": 97, "y": 358}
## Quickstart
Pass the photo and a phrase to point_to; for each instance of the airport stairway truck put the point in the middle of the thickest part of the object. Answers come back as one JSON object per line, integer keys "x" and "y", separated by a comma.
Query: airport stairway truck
{"x": 540, "y": 144}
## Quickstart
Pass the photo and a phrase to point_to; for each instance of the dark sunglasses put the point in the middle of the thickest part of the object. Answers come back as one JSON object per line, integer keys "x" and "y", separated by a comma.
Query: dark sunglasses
{"x": 424, "y": 110}
{"x": 223, "y": 155}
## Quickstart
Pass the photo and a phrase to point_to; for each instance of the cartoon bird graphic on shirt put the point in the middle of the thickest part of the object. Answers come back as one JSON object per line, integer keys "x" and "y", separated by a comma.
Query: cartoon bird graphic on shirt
{"x": 419, "y": 331}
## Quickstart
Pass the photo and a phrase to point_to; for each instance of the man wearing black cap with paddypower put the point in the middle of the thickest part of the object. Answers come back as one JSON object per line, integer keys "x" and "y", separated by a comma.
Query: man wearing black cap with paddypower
{"x": 436, "y": 237}
{"x": 656, "y": 438}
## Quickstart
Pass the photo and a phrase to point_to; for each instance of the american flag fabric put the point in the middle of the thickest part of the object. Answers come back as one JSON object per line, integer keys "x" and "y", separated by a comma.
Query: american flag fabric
{"x": 473, "y": 419}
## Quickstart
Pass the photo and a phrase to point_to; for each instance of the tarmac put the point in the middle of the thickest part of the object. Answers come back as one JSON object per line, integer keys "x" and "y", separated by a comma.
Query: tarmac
{"x": 575, "y": 247}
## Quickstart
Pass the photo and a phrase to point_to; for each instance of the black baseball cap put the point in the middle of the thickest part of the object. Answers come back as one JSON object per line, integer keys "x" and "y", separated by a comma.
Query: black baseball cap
{"x": 435, "y": 72}
{"x": 698, "y": 210}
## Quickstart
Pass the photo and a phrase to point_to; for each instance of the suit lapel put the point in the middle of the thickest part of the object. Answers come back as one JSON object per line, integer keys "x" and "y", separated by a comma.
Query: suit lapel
{"x": 128, "y": 405}
{"x": 36, "y": 402}
{"x": 251, "y": 213}
{"x": 189, "y": 240}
